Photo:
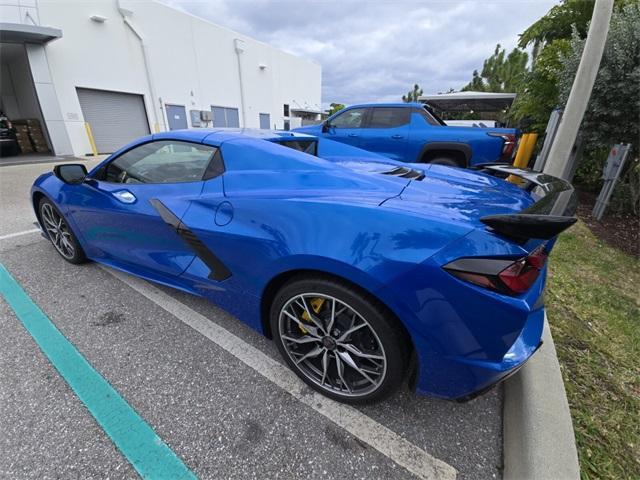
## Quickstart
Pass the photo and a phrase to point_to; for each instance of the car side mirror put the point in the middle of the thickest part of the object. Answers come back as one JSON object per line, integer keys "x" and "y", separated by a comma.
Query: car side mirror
{"x": 325, "y": 127}
{"x": 71, "y": 173}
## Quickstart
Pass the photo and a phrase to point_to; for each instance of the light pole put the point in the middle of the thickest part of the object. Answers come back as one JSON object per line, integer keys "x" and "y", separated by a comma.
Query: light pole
{"x": 558, "y": 161}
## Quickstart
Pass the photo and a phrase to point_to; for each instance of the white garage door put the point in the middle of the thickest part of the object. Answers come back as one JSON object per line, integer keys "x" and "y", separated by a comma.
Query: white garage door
{"x": 115, "y": 118}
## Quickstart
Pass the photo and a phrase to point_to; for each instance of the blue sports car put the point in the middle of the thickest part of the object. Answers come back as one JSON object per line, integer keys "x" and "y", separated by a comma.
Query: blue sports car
{"x": 363, "y": 270}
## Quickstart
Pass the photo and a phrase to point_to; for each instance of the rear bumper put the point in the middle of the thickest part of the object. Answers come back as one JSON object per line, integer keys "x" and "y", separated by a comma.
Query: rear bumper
{"x": 463, "y": 378}
{"x": 490, "y": 387}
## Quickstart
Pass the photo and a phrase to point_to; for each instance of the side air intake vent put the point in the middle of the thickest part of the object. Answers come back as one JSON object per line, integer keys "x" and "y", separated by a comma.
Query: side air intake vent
{"x": 405, "y": 172}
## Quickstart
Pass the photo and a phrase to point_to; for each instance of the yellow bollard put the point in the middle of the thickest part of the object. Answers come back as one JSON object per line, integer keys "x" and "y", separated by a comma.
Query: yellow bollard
{"x": 91, "y": 140}
{"x": 525, "y": 149}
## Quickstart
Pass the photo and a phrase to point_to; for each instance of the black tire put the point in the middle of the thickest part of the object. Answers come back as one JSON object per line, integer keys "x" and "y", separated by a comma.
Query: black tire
{"x": 62, "y": 237}
{"x": 387, "y": 340}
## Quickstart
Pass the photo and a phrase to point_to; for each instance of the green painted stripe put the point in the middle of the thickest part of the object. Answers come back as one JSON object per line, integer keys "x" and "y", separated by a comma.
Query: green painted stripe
{"x": 137, "y": 441}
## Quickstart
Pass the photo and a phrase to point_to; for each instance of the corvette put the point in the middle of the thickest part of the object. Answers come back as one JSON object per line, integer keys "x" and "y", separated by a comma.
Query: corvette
{"x": 363, "y": 270}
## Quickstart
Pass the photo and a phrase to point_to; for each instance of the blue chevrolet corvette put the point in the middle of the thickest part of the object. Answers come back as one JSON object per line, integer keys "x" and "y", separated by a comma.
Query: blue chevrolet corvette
{"x": 363, "y": 270}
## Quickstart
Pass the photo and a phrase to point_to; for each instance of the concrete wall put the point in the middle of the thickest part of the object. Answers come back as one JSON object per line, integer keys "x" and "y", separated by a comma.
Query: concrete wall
{"x": 192, "y": 63}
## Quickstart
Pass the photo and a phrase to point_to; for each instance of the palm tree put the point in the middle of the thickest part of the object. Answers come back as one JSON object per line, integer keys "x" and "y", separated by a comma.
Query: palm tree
{"x": 413, "y": 95}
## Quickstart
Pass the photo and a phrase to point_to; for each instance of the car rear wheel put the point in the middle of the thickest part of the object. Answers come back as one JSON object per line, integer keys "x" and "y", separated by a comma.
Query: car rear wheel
{"x": 60, "y": 234}
{"x": 338, "y": 340}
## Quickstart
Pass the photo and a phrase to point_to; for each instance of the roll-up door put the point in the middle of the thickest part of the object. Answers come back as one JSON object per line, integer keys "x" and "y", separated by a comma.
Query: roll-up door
{"x": 116, "y": 118}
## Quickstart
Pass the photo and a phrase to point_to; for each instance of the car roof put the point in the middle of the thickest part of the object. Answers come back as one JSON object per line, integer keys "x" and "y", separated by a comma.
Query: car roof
{"x": 215, "y": 136}
{"x": 388, "y": 104}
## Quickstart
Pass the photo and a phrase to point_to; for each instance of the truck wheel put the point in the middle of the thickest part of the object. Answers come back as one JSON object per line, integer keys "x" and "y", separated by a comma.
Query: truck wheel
{"x": 449, "y": 162}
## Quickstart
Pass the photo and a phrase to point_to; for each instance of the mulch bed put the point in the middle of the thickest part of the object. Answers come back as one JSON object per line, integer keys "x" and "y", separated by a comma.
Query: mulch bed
{"x": 621, "y": 230}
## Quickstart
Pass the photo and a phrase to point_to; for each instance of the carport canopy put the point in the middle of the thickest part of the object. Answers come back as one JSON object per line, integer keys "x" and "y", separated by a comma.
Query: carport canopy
{"x": 466, "y": 101}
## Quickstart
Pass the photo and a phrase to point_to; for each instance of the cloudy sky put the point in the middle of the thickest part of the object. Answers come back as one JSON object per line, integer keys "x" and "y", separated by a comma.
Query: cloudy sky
{"x": 376, "y": 50}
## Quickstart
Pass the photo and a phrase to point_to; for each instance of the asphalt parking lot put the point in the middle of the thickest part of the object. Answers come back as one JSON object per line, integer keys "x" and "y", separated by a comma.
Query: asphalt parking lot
{"x": 214, "y": 391}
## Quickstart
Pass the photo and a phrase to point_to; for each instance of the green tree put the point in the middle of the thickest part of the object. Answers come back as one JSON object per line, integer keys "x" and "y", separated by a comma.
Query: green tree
{"x": 500, "y": 72}
{"x": 476, "y": 84}
{"x": 614, "y": 106}
{"x": 557, "y": 24}
{"x": 413, "y": 95}
{"x": 538, "y": 92}
{"x": 335, "y": 107}
{"x": 549, "y": 39}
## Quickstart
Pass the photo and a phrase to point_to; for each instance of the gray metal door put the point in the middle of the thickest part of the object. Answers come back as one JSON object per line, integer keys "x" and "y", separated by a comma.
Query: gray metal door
{"x": 265, "y": 121}
{"x": 177, "y": 117}
{"x": 225, "y": 117}
{"x": 115, "y": 118}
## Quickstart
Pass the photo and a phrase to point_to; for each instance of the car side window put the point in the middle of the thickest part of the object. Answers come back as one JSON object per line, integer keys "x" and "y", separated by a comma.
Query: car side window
{"x": 389, "y": 117}
{"x": 349, "y": 119}
{"x": 163, "y": 161}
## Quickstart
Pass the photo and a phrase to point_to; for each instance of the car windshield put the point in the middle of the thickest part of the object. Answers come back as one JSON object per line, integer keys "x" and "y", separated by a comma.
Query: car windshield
{"x": 4, "y": 123}
{"x": 306, "y": 146}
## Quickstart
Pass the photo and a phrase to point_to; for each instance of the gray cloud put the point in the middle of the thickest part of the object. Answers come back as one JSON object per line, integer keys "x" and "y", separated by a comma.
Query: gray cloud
{"x": 375, "y": 51}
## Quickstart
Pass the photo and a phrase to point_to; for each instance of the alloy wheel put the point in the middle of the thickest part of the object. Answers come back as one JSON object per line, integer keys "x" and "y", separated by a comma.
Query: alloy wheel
{"x": 58, "y": 231}
{"x": 332, "y": 344}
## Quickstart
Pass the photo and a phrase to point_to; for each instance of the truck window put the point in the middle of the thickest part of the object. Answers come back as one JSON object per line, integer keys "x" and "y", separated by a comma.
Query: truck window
{"x": 349, "y": 119}
{"x": 429, "y": 117}
{"x": 389, "y": 117}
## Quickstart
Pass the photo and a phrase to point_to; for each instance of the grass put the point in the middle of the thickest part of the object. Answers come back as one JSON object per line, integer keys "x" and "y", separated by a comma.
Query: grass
{"x": 593, "y": 305}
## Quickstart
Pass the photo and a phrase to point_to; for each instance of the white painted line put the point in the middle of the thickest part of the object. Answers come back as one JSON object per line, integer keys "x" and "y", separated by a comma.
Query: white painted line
{"x": 19, "y": 234}
{"x": 387, "y": 442}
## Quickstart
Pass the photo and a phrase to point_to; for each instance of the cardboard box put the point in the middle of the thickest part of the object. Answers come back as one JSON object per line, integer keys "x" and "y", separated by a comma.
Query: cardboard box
{"x": 25, "y": 148}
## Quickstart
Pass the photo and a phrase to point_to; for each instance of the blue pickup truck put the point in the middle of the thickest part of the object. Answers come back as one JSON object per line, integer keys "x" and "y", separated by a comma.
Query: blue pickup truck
{"x": 411, "y": 132}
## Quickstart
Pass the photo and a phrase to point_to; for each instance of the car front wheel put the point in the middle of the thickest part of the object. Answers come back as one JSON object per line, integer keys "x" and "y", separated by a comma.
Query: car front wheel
{"x": 338, "y": 340}
{"x": 60, "y": 234}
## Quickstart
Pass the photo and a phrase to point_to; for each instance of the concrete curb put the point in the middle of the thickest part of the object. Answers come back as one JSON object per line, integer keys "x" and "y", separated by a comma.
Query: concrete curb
{"x": 538, "y": 434}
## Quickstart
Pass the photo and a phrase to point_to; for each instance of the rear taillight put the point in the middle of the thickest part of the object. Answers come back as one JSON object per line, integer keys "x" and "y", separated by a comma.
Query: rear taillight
{"x": 508, "y": 145}
{"x": 506, "y": 276}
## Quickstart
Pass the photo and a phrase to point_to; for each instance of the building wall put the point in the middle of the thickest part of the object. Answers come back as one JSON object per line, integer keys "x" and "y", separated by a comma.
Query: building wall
{"x": 19, "y": 11}
{"x": 192, "y": 63}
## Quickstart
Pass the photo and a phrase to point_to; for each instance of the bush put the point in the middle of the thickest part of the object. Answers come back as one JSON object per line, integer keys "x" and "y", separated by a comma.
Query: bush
{"x": 614, "y": 107}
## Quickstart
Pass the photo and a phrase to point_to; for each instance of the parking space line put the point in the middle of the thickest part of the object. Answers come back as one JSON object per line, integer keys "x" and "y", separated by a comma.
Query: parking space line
{"x": 386, "y": 441}
{"x": 137, "y": 441}
{"x": 19, "y": 234}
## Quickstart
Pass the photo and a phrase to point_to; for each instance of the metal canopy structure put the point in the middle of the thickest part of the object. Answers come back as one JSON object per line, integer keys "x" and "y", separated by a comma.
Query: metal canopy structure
{"x": 310, "y": 111}
{"x": 467, "y": 101}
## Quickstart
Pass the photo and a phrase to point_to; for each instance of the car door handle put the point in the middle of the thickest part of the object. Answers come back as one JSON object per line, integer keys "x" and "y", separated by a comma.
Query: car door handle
{"x": 125, "y": 196}
{"x": 352, "y": 135}
{"x": 397, "y": 137}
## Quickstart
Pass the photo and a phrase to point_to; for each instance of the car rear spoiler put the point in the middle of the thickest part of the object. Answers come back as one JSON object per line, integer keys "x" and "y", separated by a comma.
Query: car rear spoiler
{"x": 552, "y": 213}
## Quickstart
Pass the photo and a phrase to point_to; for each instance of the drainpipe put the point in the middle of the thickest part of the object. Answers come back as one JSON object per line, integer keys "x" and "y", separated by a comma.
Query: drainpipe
{"x": 239, "y": 47}
{"x": 126, "y": 13}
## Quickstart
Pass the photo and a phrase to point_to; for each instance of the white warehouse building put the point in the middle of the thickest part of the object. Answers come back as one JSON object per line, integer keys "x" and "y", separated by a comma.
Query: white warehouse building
{"x": 98, "y": 74}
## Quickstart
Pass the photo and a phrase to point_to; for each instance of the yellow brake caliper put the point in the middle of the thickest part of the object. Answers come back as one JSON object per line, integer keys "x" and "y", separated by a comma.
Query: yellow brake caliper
{"x": 316, "y": 305}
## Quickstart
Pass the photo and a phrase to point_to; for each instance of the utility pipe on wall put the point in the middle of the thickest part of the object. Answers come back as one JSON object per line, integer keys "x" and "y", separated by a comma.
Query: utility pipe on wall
{"x": 239, "y": 47}
{"x": 126, "y": 13}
